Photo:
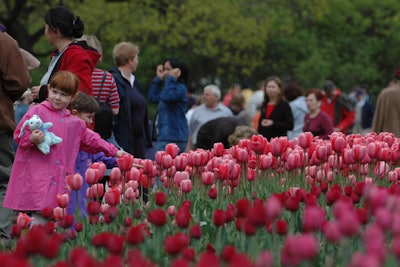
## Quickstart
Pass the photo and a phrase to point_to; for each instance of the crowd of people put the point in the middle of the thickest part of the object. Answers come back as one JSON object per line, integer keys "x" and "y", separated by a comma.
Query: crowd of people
{"x": 72, "y": 90}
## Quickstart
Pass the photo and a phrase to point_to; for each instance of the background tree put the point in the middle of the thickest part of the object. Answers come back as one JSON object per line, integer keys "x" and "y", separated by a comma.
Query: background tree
{"x": 226, "y": 41}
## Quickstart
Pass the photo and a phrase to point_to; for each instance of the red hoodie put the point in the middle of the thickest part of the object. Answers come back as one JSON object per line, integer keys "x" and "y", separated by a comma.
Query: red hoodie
{"x": 80, "y": 60}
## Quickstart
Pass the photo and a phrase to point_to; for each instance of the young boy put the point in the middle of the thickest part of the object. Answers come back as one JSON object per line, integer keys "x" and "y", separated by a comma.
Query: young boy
{"x": 85, "y": 107}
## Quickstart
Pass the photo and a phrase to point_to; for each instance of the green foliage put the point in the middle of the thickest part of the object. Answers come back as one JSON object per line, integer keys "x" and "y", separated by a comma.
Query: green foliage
{"x": 350, "y": 42}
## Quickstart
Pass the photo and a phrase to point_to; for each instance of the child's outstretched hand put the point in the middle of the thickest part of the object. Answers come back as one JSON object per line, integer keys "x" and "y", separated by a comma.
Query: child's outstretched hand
{"x": 120, "y": 153}
{"x": 36, "y": 137}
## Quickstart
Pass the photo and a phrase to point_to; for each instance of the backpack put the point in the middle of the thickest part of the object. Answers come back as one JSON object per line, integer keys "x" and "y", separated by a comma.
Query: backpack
{"x": 104, "y": 118}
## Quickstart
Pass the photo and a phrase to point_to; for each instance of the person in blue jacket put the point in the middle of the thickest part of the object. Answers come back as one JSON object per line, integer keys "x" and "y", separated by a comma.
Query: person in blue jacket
{"x": 169, "y": 90}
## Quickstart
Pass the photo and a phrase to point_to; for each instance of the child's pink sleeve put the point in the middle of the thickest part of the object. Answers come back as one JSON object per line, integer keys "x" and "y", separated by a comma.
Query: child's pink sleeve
{"x": 92, "y": 143}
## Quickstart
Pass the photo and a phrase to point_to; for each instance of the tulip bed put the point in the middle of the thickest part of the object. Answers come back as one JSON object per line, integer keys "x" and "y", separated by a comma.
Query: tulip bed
{"x": 303, "y": 202}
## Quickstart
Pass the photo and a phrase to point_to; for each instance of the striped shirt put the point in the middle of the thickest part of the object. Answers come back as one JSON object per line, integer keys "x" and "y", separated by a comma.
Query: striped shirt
{"x": 109, "y": 91}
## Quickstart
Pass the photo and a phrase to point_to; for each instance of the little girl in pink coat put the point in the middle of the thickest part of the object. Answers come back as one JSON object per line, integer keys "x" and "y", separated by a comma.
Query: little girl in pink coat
{"x": 36, "y": 178}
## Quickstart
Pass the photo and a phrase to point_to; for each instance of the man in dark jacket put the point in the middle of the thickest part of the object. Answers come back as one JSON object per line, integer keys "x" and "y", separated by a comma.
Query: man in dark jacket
{"x": 14, "y": 81}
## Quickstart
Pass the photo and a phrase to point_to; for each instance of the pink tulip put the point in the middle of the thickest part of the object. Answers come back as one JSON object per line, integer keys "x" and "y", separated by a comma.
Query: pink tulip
{"x": 304, "y": 139}
{"x": 101, "y": 167}
{"x": 359, "y": 152}
{"x": 265, "y": 259}
{"x": 75, "y": 181}
{"x": 278, "y": 145}
{"x": 95, "y": 191}
{"x": 348, "y": 157}
{"x": 381, "y": 169}
{"x": 133, "y": 184}
{"x": 62, "y": 200}
{"x": 135, "y": 174}
{"x": 171, "y": 210}
{"x": 58, "y": 213}
{"x": 250, "y": 174}
{"x": 180, "y": 176}
{"x": 338, "y": 142}
{"x": 373, "y": 149}
{"x": 166, "y": 161}
{"x": 148, "y": 167}
{"x": 23, "y": 220}
{"x": 313, "y": 218}
{"x": 180, "y": 162}
{"x": 332, "y": 231}
{"x": 207, "y": 178}
{"x": 92, "y": 176}
{"x": 266, "y": 162}
{"x": 158, "y": 157}
{"x": 186, "y": 185}
{"x": 130, "y": 193}
{"x": 273, "y": 207}
{"x": 198, "y": 157}
{"x": 125, "y": 162}
{"x": 115, "y": 175}
{"x": 172, "y": 149}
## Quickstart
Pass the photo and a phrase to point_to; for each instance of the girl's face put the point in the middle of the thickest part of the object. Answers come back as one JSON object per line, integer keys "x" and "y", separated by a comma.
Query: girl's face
{"x": 312, "y": 103}
{"x": 49, "y": 34}
{"x": 86, "y": 116}
{"x": 59, "y": 99}
{"x": 273, "y": 90}
{"x": 176, "y": 72}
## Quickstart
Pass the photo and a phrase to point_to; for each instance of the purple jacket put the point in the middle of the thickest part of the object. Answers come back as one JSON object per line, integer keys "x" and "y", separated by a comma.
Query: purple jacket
{"x": 37, "y": 178}
{"x": 83, "y": 161}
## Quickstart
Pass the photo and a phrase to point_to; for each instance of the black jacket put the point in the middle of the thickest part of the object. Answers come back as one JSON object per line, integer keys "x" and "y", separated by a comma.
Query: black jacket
{"x": 281, "y": 116}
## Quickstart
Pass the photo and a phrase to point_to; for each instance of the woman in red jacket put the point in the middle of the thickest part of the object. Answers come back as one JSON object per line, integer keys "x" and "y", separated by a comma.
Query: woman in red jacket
{"x": 61, "y": 29}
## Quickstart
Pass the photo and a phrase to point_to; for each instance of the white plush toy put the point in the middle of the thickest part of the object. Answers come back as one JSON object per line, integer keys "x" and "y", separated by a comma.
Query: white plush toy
{"x": 35, "y": 122}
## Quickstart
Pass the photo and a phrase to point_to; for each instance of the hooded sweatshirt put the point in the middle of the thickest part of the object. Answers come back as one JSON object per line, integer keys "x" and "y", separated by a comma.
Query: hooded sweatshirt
{"x": 299, "y": 110}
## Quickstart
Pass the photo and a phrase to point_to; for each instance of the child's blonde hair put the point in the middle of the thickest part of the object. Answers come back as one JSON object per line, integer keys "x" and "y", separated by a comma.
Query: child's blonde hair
{"x": 65, "y": 81}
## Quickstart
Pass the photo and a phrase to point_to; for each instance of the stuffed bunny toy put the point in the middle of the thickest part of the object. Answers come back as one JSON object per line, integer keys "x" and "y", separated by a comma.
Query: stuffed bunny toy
{"x": 35, "y": 122}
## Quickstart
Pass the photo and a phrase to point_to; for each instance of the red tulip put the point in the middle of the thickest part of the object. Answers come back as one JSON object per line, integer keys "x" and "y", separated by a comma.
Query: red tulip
{"x": 157, "y": 217}
{"x": 195, "y": 231}
{"x": 212, "y": 192}
{"x": 137, "y": 234}
{"x": 228, "y": 252}
{"x": 75, "y": 181}
{"x": 67, "y": 221}
{"x": 172, "y": 150}
{"x": 93, "y": 207}
{"x": 110, "y": 214}
{"x": 183, "y": 217}
{"x": 281, "y": 227}
{"x": 176, "y": 243}
{"x": 100, "y": 167}
{"x": 112, "y": 196}
{"x": 125, "y": 162}
{"x": 160, "y": 198}
{"x": 218, "y": 149}
{"x": 259, "y": 144}
{"x": 219, "y": 218}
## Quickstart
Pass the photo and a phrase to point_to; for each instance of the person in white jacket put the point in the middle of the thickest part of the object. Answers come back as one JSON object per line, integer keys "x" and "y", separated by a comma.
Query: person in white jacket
{"x": 297, "y": 101}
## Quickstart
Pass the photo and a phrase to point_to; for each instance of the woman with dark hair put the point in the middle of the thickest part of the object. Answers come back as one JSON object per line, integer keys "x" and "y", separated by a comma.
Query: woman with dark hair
{"x": 317, "y": 121}
{"x": 276, "y": 117}
{"x": 169, "y": 90}
{"x": 62, "y": 28}
{"x": 297, "y": 103}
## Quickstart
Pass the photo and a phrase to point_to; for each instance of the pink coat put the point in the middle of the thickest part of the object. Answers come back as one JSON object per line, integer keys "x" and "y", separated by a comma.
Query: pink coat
{"x": 37, "y": 178}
